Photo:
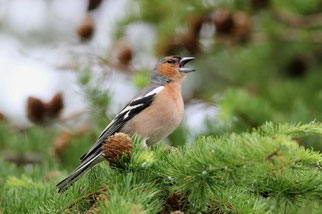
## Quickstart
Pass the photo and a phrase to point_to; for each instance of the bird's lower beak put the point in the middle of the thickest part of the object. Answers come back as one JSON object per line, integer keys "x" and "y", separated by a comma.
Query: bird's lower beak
{"x": 184, "y": 61}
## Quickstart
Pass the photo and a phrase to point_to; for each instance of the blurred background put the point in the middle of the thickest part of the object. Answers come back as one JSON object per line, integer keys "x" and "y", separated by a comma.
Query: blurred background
{"x": 67, "y": 67}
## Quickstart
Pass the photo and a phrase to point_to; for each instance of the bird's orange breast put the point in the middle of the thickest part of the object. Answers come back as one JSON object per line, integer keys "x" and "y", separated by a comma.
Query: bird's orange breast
{"x": 161, "y": 118}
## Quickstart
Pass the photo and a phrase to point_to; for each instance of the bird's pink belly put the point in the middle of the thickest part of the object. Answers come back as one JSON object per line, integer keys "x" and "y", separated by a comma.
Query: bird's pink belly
{"x": 153, "y": 125}
{"x": 156, "y": 124}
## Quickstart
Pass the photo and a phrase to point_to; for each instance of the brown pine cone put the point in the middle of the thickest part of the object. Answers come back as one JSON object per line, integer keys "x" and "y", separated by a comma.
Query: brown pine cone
{"x": 35, "y": 110}
{"x": 125, "y": 55}
{"x": 116, "y": 145}
{"x": 55, "y": 106}
{"x": 223, "y": 21}
{"x": 86, "y": 30}
{"x": 93, "y": 4}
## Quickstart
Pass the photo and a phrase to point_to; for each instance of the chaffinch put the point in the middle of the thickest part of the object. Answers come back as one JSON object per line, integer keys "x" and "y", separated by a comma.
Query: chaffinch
{"x": 154, "y": 113}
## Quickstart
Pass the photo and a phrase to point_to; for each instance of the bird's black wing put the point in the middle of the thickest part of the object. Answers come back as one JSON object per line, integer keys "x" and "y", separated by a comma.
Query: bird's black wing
{"x": 133, "y": 108}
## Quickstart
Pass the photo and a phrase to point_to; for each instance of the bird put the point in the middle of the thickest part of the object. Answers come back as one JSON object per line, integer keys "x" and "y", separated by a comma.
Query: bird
{"x": 154, "y": 113}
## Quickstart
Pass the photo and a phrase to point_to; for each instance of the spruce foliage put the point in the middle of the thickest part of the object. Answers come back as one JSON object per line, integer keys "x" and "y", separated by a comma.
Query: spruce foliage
{"x": 262, "y": 171}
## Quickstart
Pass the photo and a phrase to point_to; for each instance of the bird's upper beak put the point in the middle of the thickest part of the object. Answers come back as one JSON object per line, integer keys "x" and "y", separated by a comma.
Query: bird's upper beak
{"x": 184, "y": 61}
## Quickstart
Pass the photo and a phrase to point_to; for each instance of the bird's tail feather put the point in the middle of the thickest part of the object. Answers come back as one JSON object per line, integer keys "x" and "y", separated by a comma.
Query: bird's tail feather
{"x": 79, "y": 172}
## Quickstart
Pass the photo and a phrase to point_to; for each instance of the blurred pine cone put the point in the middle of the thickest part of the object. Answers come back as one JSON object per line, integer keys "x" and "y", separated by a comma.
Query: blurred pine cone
{"x": 55, "y": 106}
{"x": 223, "y": 21}
{"x": 86, "y": 30}
{"x": 40, "y": 112}
{"x": 93, "y": 4}
{"x": 35, "y": 110}
{"x": 125, "y": 55}
{"x": 116, "y": 145}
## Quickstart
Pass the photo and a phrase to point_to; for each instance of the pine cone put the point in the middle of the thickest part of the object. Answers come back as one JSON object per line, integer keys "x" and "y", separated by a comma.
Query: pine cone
{"x": 35, "y": 110}
{"x": 40, "y": 112}
{"x": 55, "y": 106}
{"x": 223, "y": 21}
{"x": 125, "y": 55}
{"x": 116, "y": 145}
{"x": 86, "y": 30}
{"x": 93, "y": 4}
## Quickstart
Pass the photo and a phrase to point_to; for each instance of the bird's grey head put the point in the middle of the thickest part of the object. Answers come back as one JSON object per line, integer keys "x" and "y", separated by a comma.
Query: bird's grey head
{"x": 170, "y": 68}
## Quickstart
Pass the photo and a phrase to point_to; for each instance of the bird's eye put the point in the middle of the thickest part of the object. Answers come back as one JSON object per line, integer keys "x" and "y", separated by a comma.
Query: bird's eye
{"x": 170, "y": 61}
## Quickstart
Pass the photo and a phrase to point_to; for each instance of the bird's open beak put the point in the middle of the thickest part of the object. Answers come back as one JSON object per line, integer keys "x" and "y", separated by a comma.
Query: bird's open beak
{"x": 184, "y": 61}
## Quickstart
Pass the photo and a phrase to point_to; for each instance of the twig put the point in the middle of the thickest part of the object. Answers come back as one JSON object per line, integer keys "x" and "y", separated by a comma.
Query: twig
{"x": 275, "y": 153}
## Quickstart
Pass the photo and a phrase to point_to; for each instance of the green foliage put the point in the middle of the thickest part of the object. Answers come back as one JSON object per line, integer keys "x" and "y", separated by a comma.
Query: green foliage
{"x": 274, "y": 75}
{"x": 263, "y": 171}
